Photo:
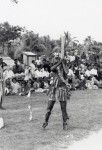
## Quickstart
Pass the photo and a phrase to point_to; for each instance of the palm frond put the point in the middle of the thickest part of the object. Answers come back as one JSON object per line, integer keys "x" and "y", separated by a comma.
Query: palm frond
{"x": 15, "y": 1}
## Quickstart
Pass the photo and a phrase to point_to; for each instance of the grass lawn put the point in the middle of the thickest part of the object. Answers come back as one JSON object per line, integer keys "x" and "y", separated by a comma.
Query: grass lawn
{"x": 84, "y": 109}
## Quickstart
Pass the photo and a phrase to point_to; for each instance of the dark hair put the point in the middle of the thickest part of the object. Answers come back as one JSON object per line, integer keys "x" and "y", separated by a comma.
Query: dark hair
{"x": 15, "y": 59}
{"x": 33, "y": 61}
{"x": 55, "y": 70}
{"x": 1, "y": 62}
{"x": 14, "y": 79}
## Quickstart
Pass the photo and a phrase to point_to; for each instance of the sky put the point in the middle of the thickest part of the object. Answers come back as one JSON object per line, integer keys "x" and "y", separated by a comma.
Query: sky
{"x": 52, "y": 17}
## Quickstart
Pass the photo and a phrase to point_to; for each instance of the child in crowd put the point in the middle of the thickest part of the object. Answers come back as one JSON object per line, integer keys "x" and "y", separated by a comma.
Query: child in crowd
{"x": 15, "y": 86}
{"x": 90, "y": 83}
{"x": 22, "y": 91}
{"x": 35, "y": 84}
{"x": 8, "y": 87}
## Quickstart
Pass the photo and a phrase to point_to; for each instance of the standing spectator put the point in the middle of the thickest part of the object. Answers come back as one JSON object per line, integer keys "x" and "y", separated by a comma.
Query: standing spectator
{"x": 1, "y": 83}
{"x": 27, "y": 79}
{"x": 32, "y": 65}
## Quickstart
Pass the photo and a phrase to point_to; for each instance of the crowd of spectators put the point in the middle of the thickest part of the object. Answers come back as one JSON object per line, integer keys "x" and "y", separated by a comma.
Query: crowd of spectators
{"x": 83, "y": 73}
{"x": 20, "y": 78}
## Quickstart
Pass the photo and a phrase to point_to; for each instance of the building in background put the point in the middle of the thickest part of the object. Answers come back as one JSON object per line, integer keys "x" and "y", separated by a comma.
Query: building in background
{"x": 28, "y": 57}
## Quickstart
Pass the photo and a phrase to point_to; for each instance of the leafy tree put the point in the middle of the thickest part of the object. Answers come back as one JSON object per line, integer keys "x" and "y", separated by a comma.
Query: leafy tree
{"x": 34, "y": 43}
{"x": 8, "y": 34}
{"x": 88, "y": 42}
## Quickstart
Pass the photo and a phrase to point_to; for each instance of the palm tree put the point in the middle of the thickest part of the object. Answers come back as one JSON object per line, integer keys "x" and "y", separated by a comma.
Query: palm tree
{"x": 71, "y": 43}
{"x": 15, "y": 1}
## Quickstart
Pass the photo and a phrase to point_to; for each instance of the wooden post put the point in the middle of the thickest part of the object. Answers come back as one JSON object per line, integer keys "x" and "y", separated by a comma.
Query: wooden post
{"x": 62, "y": 46}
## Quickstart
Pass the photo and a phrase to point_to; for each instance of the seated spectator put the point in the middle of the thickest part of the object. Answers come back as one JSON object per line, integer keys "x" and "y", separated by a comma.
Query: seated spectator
{"x": 77, "y": 59}
{"x": 72, "y": 57}
{"x": 22, "y": 91}
{"x": 38, "y": 61}
{"x": 90, "y": 84}
{"x": 93, "y": 71}
{"x": 38, "y": 72}
{"x": 83, "y": 67}
{"x": 77, "y": 71}
{"x": 82, "y": 85}
{"x": 8, "y": 73}
{"x": 45, "y": 72}
{"x": 36, "y": 84}
{"x": 46, "y": 65}
{"x": 99, "y": 77}
{"x": 83, "y": 56}
{"x": 82, "y": 77}
{"x": 71, "y": 76}
{"x": 8, "y": 87}
{"x": 30, "y": 85}
{"x": 46, "y": 85}
{"x": 70, "y": 73}
{"x": 76, "y": 82}
{"x": 87, "y": 72}
{"x": 15, "y": 86}
{"x": 17, "y": 68}
{"x": 28, "y": 74}
{"x": 41, "y": 82}
{"x": 95, "y": 81}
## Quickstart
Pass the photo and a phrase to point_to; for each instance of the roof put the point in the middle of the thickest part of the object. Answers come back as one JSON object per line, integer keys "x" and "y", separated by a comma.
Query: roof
{"x": 29, "y": 53}
{"x": 8, "y": 61}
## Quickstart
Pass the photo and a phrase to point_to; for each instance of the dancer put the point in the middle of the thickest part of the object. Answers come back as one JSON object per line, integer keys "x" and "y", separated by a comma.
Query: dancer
{"x": 60, "y": 88}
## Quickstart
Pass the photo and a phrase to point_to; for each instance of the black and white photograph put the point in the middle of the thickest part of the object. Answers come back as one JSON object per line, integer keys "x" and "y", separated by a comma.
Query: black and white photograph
{"x": 50, "y": 75}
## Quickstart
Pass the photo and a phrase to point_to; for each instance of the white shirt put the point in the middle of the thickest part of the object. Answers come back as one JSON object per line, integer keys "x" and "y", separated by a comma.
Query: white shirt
{"x": 27, "y": 75}
{"x": 38, "y": 62}
{"x": 93, "y": 72}
{"x": 83, "y": 67}
{"x": 72, "y": 58}
{"x": 15, "y": 87}
{"x": 87, "y": 73}
{"x": 71, "y": 73}
{"x": 38, "y": 74}
{"x": 32, "y": 66}
{"x": 45, "y": 73}
{"x": 8, "y": 74}
{"x": 82, "y": 77}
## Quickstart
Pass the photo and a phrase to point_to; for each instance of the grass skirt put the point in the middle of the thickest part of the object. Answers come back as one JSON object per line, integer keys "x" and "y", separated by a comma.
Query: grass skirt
{"x": 59, "y": 93}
